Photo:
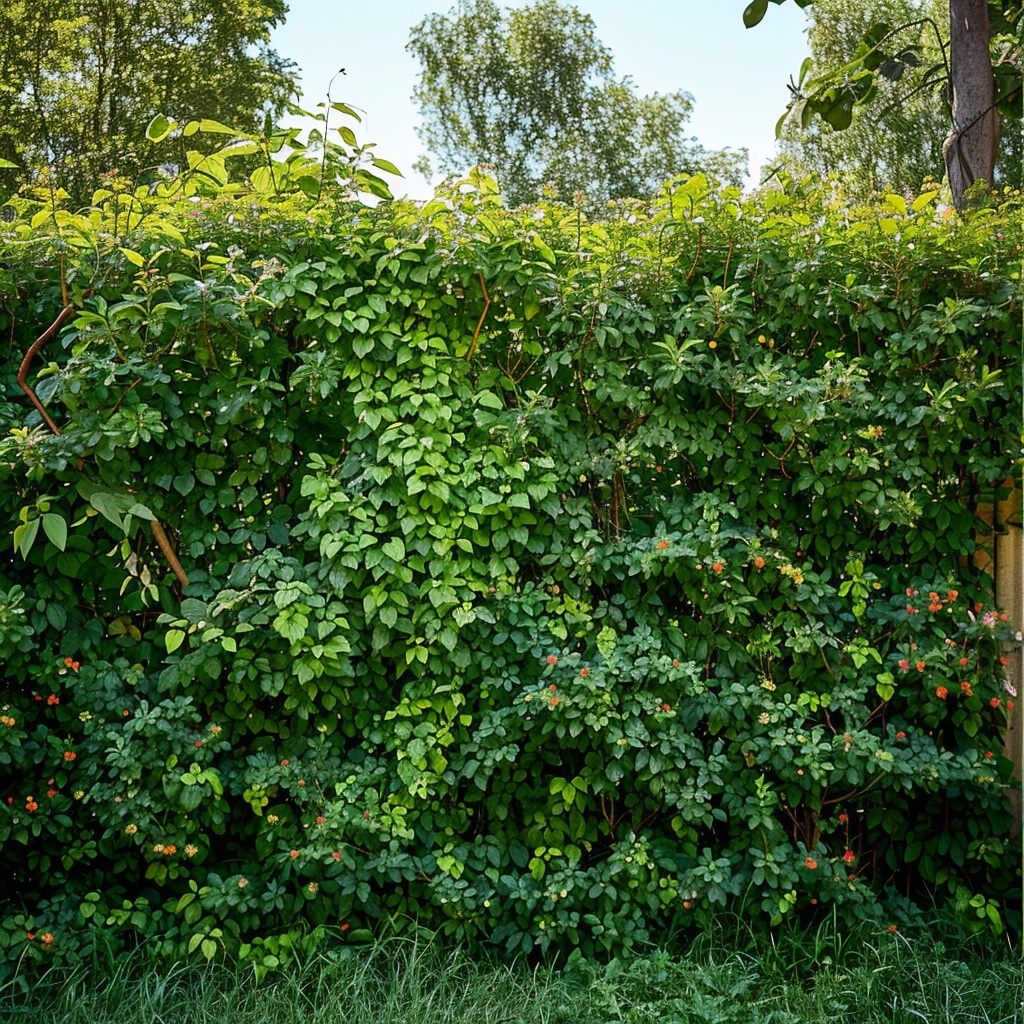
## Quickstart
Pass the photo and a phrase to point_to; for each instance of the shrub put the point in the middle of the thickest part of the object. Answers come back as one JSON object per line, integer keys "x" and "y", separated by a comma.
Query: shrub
{"x": 544, "y": 582}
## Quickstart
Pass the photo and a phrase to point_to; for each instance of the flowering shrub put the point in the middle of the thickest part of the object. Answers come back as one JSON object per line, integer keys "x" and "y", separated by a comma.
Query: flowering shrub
{"x": 543, "y": 582}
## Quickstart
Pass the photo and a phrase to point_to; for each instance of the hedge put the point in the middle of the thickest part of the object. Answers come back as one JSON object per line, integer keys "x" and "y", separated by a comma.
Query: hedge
{"x": 551, "y": 583}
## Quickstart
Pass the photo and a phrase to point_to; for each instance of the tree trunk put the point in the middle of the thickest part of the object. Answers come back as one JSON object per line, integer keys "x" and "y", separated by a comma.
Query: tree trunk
{"x": 970, "y": 150}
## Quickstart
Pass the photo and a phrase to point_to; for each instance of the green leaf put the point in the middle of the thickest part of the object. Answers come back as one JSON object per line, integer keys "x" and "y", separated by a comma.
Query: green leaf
{"x": 107, "y": 506}
{"x": 386, "y": 165}
{"x": 754, "y": 12}
{"x": 137, "y": 259}
{"x": 24, "y": 537}
{"x": 56, "y": 530}
{"x": 159, "y": 128}
{"x": 173, "y": 639}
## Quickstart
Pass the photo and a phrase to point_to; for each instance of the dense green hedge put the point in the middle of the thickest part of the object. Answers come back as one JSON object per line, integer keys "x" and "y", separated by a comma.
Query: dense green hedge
{"x": 548, "y": 582}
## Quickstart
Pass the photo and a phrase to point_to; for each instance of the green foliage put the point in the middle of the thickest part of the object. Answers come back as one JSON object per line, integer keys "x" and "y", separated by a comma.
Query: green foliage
{"x": 894, "y": 143}
{"x": 531, "y": 92}
{"x": 79, "y": 79}
{"x": 550, "y": 583}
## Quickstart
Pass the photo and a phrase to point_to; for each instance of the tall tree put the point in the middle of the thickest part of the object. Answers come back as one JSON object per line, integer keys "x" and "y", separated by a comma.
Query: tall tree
{"x": 977, "y": 30}
{"x": 895, "y": 142}
{"x": 532, "y": 92}
{"x": 80, "y": 79}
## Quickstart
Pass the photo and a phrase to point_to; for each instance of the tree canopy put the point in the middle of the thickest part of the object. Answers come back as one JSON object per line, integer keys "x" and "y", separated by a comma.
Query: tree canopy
{"x": 533, "y": 92}
{"x": 80, "y": 79}
{"x": 981, "y": 69}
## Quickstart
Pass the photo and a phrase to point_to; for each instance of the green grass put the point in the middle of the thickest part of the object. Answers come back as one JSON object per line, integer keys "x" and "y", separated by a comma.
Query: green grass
{"x": 885, "y": 979}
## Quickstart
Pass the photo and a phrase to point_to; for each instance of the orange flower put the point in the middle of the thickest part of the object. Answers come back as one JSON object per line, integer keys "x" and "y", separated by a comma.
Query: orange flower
{"x": 759, "y": 562}
{"x": 941, "y": 692}
{"x": 31, "y": 805}
{"x": 53, "y": 699}
{"x": 717, "y": 567}
{"x": 995, "y": 702}
{"x": 666, "y": 707}
{"x": 69, "y": 755}
{"x": 849, "y": 856}
{"x": 552, "y": 659}
{"x": 584, "y": 672}
{"x": 952, "y": 595}
{"x": 920, "y": 666}
{"x": 46, "y": 938}
{"x": 662, "y": 544}
{"x": 811, "y": 863}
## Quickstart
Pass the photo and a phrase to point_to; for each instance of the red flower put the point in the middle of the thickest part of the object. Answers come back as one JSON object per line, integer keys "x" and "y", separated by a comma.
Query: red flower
{"x": 994, "y": 702}
{"x": 29, "y": 936}
{"x": 320, "y": 820}
{"x": 69, "y": 755}
{"x": 284, "y": 763}
{"x": 53, "y": 699}
{"x": 666, "y": 707}
{"x": 892, "y": 927}
{"x": 675, "y": 663}
{"x": 1009, "y": 705}
{"x": 584, "y": 672}
{"x": 552, "y": 659}
{"x": 294, "y": 854}
{"x": 72, "y": 664}
{"x": 844, "y": 817}
{"x": 198, "y": 743}
{"x": 553, "y": 687}
{"x": 901, "y": 735}
{"x": 941, "y": 692}
{"x": 336, "y": 855}
{"x": 963, "y": 662}
{"x": 810, "y": 863}
{"x": 904, "y": 664}
{"x": 911, "y": 610}
{"x": 849, "y": 856}
{"x": 344, "y": 927}
{"x": 988, "y": 754}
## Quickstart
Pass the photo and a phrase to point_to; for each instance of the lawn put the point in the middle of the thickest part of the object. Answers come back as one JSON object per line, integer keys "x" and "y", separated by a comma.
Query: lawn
{"x": 884, "y": 977}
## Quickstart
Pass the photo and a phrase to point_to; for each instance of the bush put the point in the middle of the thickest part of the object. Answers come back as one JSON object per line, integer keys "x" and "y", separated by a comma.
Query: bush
{"x": 544, "y": 582}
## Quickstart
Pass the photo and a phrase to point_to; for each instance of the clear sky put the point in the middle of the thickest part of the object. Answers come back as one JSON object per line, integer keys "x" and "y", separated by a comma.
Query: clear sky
{"x": 737, "y": 76}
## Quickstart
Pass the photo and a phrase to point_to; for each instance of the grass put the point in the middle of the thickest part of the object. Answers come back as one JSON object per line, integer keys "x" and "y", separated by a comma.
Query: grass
{"x": 885, "y": 978}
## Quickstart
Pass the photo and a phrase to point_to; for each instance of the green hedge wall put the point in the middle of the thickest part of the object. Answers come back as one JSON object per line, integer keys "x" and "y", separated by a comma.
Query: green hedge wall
{"x": 549, "y": 583}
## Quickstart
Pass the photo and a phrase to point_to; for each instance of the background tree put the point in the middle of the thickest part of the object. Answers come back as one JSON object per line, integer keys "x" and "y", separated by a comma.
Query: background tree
{"x": 895, "y": 143}
{"x": 80, "y": 79}
{"x": 532, "y": 92}
{"x": 983, "y": 60}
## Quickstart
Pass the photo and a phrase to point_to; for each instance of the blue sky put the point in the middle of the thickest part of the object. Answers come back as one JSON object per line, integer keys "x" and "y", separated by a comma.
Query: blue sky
{"x": 737, "y": 76}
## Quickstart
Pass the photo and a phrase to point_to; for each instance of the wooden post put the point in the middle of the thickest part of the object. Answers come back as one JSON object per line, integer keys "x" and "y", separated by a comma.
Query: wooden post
{"x": 1004, "y": 559}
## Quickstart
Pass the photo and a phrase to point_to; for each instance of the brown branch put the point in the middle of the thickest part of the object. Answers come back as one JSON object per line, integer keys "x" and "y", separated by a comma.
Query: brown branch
{"x": 158, "y": 531}
{"x": 43, "y": 338}
{"x": 480, "y": 322}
